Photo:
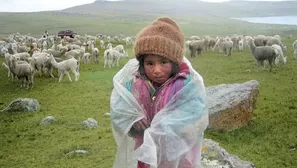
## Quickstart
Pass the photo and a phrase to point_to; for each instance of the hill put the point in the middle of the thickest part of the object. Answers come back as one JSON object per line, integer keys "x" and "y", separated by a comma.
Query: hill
{"x": 129, "y": 16}
{"x": 190, "y": 8}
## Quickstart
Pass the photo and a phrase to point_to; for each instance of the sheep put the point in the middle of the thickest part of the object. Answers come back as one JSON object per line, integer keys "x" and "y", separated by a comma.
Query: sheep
{"x": 74, "y": 53}
{"x": 22, "y": 56}
{"x": 295, "y": 49}
{"x": 7, "y": 63}
{"x": 246, "y": 41}
{"x": 40, "y": 62}
{"x": 128, "y": 41}
{"x": 95, "y": 53}
{"x": 64, "y": 66}
{"x": 219, "y": 44}
{"x": 86, "y": 58}
{"x": 262, "y": 53}
{"x": 260, "y": 40}
{"x": 274, "y": 40}
{"x": 22, "y": 48}
{"x": 37, "y": 62}
{"x": 111, "y": 57}
{"x": 56, "y": 53}
{"x": 187, "y": 43}
{"x": 120, "y": 48}
{"x": 116, "y": 39}
{"x": 279, "y": 54}
{"x": 12, "y": 48}
{"x": 211, "y": 43}
{"x": 23, "y": 70}
{"x": 240, "y": 45}
{"x": 235, "y": 39}
{"x": 73, "y": 46}
{"x": 6, "y": 67}
{"x": 102, "y": 44}
{"x": 278, "y": 37}
{"x": 109, "y": 46}
{"x": 3, "y": 50}
{"x": 195, "y": 38}
{"x": 59, "y": 46}
{"x": 196, "y": 46}
{"x": 227, "y": 47}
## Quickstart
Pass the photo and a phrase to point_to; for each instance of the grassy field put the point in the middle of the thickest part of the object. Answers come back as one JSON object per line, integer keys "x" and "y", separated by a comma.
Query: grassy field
{"x": 269, "y": 141}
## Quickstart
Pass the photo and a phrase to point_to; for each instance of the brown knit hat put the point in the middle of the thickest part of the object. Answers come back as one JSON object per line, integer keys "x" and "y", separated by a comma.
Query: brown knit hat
{"x": 163, "y": 37}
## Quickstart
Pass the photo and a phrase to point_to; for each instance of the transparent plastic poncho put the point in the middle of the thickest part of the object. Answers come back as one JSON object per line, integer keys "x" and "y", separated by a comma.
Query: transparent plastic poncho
{"x": 175, "y": 130}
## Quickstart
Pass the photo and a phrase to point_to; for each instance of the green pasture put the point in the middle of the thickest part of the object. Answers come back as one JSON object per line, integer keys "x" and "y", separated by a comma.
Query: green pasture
{"x": 269, "y": 141}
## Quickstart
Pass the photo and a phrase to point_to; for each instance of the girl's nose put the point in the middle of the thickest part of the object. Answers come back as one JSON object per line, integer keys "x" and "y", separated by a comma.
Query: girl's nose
{"x": 157, "y": 69}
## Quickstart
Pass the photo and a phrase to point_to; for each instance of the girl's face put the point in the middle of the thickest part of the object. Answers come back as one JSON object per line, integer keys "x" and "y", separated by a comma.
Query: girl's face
{"x": 157, "y": 68}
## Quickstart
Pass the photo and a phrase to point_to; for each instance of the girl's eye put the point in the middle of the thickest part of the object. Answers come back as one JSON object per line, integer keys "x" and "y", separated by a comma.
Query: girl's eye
{"x": 164, "y": 62}
{"x": 149, "y": 63}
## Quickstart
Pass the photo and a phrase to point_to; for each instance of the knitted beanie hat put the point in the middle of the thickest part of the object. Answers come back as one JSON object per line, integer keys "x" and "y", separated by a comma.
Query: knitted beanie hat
{"x": 163, "y": 37}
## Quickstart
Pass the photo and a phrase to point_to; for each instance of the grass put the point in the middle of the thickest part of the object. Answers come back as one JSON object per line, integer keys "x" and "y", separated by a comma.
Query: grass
{"x": 269, "y": 141}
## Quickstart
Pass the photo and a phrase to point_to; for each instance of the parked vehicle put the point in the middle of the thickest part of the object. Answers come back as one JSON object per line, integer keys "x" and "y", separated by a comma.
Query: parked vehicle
{"x": 69, "y": 33}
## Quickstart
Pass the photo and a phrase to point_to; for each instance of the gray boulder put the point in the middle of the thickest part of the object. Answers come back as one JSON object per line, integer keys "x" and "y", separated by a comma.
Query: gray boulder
{"x": 22, "y": 105}
{"x": 214, "y": 156}
{"x": 231, "y": 105}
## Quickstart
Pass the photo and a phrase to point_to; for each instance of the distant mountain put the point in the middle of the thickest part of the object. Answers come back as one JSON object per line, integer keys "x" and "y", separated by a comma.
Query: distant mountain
{"x": 234, "y": 8}
{"x": 129, "y": 16}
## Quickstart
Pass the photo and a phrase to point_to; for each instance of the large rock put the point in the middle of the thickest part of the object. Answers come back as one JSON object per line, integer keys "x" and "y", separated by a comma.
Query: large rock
{"x": 231, "y": 105}
{"x": 22, "y": 105}
{"x": 214, "y": 156}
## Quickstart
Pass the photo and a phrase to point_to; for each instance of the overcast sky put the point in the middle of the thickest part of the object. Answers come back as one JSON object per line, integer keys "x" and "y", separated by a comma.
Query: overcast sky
{"x": 46, "y": 5}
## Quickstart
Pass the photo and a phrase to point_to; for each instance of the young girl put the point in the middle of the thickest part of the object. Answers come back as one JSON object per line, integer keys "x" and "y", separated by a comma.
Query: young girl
{"x": 158, "y": 107}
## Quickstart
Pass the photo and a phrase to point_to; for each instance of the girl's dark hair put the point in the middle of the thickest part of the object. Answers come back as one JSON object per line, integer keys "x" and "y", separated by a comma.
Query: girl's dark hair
{"x": 175, "y": 67}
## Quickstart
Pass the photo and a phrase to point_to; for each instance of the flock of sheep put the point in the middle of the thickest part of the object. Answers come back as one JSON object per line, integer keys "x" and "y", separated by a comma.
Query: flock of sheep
{"x": 263, "y": 48}
{"x": 25, "y": 55}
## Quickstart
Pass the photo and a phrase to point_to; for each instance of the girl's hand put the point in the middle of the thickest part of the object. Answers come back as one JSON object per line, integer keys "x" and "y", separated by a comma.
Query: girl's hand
{"x": 141, "y": 125}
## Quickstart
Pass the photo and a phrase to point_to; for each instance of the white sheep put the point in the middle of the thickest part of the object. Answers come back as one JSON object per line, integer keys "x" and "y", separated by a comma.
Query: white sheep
{"x": 3, "y": 50}
{"x": 102, "y": 44}
{"x": 23, "y": 71}
{"x": 6, "y": 67}
{"x": 77, "y": 54}
{"x": 112, "y": 57}
{"x": 128, "y": 41}
{"x": 109, "y": 46}
{"x": 22, "y": 56}
{"x": 274, "y": 40}
{"x": 227, "y": 47}
{"x": 279, "y": 54}
{"x": 295, "y": 49}
{"x": 187, "y": 47}
{"x": 121, "y": 49}
{"x": 40, "y": 62}
{"x": 64, "y": 66}
{"x": 95, "y": 53}
{"x": 56, "y": 53}
{"x": 86, "y": 58}
{"x": 240, "y": 45}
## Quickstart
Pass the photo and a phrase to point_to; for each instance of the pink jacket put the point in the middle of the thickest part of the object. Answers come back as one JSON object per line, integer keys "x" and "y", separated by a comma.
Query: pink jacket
{"x": 153, "y": 98}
